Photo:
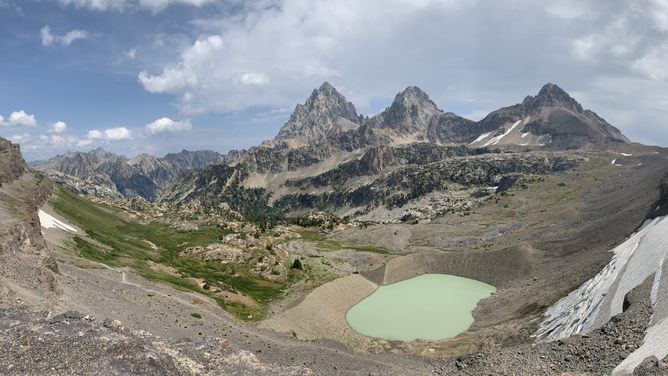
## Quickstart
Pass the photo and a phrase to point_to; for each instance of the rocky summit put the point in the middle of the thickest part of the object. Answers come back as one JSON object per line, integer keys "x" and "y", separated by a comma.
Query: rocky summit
{"x": 324, "y": 113}
{"x": 247, "y": 263}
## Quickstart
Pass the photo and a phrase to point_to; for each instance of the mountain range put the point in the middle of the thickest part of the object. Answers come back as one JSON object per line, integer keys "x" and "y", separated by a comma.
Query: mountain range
{"x": 326, "y": 132}
{"x": 99, "y": 173}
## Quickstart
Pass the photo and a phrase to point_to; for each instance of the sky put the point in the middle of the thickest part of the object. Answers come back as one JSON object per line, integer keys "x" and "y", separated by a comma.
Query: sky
{"x": 159, "y": 76}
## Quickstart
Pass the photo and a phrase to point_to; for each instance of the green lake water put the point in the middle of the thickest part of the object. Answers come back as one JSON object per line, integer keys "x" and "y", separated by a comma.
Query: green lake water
{"x": 431, "y": 306}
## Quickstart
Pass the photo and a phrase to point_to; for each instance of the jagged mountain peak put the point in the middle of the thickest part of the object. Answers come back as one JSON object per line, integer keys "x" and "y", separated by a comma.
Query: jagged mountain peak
{"x": 326, "y": 93}
{"x": 326, "y": 86}
{"x": 409, "y": 114}
{"x": 325, "y": 112}
{"x": 552, "y": 95}
{"x": 414, "y": 96}
{"x": 99, "y": 152}
{"x": 413, "y": 92}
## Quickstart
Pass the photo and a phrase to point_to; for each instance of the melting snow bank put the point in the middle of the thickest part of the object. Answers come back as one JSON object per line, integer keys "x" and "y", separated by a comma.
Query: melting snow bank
{"x": 48, "y": 221}
{"x": 600, "y": 298}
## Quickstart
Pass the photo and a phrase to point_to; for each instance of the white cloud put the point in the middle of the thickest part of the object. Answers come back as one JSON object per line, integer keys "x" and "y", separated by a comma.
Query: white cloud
{"x": 94, "y": 135}
{"x": 18, "y": 138}
{"x": 612, "y": 40}
{"x": 116, "y": 134}
{"x": 58, "y": 127}
{"x": 254, "y": 79}
{"x": 47, "y": 37}
{"x": 154, "y": 6}
{"x": 96, "y": 4}
{"x": 655, "y": 10}
{"x": 84, "y": 143}
{"x": 200, "y": 60}
{"x": 568, "y": 9}
{"x": 166, "y": 125}
{"x": 19, "y": 118}
{"x": 654, "y": 63}
{"x": 65, "y": 40}
{"x": 130, "y": 54}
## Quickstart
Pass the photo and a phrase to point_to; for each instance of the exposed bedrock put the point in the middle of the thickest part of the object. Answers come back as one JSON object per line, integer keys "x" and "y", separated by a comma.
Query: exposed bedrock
{"x": 25, "y": 261}
{"x": 663, "y": 200}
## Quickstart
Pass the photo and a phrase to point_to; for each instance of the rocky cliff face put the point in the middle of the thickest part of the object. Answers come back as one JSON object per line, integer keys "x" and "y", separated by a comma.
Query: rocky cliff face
{"x": 663, "y": 198}
{"x": 25, "y": 262}
{"x": 325, "y": 112}
{"x": 11, "y": 162}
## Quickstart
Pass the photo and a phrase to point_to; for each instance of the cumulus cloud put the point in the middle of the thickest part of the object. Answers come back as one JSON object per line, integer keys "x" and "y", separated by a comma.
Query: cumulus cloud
{"x": 197, "y": 62}
{"x": 58, "y": 127}
{"x": 19, "y": 118}
{"x": 116, "y": 134}
{"x": 94, "y": 135}
{"x": 65, "y": 40}
{"x": 166, "y": 125}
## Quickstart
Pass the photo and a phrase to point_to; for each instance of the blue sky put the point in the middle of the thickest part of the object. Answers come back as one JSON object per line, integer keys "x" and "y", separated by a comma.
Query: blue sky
{"x": 158, "y": 76}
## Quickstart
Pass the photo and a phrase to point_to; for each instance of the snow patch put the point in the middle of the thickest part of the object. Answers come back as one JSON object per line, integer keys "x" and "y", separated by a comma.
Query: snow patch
{"x": 526, "y": 120}
{"x": 626, "y": 155}
{"x": 525, "y": 134}
{"x": 496, "y": 139}
{"x": 49, "y": 221}
{"x": 602, "y": 297}
{"x": 481, "y": 137}
{"x": 613, "y": 161}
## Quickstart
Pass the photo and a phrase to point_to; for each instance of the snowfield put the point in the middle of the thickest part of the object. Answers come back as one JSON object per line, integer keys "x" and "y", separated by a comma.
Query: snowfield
{"x": 48, "y": 221}
{"x": 597, "y": 300}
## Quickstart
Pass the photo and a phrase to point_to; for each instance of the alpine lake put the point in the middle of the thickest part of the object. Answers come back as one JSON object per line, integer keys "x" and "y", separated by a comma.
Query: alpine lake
{"x": 429, "y": 307}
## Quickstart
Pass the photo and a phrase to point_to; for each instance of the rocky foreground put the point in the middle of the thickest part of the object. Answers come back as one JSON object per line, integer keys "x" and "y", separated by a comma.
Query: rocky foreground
{"x": 37, "y": 343}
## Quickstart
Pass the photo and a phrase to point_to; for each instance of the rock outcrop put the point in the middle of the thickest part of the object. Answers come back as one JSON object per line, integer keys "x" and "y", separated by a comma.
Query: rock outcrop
{"x": 663, "y": 200}
{"x": 25, "y": 262}
{"x": 12, "y": 165}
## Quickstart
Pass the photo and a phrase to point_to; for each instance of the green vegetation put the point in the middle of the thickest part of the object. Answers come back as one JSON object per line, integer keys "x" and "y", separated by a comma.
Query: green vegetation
{"x": 327, "y": 244}
{"x": 118, "y": 242}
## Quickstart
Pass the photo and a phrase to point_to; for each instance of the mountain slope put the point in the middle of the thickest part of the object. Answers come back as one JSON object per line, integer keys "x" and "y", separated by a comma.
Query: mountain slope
{"x": 551, "y": 120}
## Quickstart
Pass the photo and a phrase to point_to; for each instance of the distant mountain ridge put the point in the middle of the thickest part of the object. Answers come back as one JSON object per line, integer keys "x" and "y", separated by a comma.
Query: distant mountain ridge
{"x": 414, "y": 117}
{"x": 104, "y": 174}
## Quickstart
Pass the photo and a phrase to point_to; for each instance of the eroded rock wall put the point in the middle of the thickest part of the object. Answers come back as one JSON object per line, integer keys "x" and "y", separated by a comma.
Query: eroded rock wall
{"x": 26, "y": 266}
